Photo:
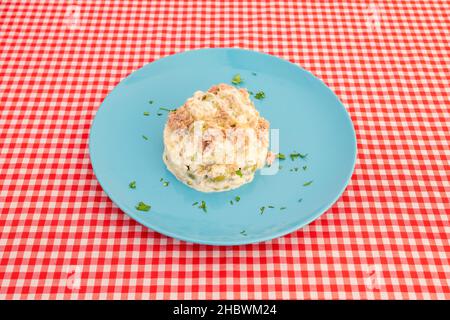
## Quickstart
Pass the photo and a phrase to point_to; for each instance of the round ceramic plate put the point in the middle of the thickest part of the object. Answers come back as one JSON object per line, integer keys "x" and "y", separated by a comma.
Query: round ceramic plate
{"x": 126, "y": 145}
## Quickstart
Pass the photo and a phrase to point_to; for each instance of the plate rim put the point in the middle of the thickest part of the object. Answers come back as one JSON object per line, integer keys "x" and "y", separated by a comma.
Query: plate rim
{"x": 241, "y": 241}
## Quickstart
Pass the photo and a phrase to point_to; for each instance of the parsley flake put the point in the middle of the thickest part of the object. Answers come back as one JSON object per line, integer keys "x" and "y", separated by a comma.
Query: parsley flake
{"x": 260, "y": 95}
{"x": 261, "y": 210}
{"x": 281, "y": 156}
{"x": 303, "y": 156}
{"x": 203, "y": 206}
{"x": 237, "y": 198}
{"x": 307, "y": 183}
{"x": 145, "y": 137}
{"x": 294, "y": 155}
{"x": 239, "y": 173}
{"x": 244, "y": 233}
{"x": 237, "y": 79}
{"x": 132, "y": 185}
{"x": 141, "y": 206}
{"x": 166, "y": 109}
{"x": 146, "y": 113}
{"x": 195, "y": 203}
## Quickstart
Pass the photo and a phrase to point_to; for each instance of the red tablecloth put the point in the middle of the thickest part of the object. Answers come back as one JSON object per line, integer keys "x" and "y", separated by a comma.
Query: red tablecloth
{"x": 387, "y": 237}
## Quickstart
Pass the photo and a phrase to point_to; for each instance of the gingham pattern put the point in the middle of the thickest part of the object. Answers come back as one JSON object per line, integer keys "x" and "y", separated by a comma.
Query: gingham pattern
{"x": 387, "y": 237}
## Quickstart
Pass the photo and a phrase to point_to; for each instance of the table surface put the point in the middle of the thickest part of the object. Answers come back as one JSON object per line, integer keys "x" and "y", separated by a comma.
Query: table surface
{"x": 387, "y": 237}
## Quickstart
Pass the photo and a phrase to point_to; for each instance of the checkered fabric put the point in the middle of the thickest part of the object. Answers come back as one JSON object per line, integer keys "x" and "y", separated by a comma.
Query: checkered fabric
{"x": 386, "y": 238}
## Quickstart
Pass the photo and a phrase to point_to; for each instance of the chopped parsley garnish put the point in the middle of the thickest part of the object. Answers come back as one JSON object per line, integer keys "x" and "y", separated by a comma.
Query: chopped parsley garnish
{"x": 254, "y": 73}
{"x": 250, "y": 92}
{"x": 239, "y": 173}
{"x": 203, "y": 206}
{"x": 294, "y": 169}
{"x": 159, "y": 114}
{"x": 195, "y": 203}
{"x": 304, "y": 168}
{"x": 281, "y": 156}
{"x": 164, "y": 183}
{"x": 261, "y": 210}
{"x": 236, "y": 199}
{"x": 271, "y": 207}
{"x": 150, "y": 102}
{"x": 294, "y": 155}
{"x": 145, "y": 137}
{"x": 300, "y": 200}
{"x": 283, "y": 208}
{"x": 244, "y": 233}
{"x": 146, "y": 113}
{"x": 141, "y": 206}
{"x": 260, "y": 95}
{"x": 166, "y": 109}
{"x": 237, "y": 79}
{"x": 132, "y": 185}
{"x": 307, "y": 183}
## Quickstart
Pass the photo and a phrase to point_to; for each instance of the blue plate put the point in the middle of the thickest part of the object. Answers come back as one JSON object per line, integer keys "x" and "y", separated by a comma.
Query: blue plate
{"x": 310, "y": 118}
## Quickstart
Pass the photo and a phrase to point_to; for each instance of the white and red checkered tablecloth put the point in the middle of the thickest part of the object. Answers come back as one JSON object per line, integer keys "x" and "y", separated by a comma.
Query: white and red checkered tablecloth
{"x": 387, "y": 237}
